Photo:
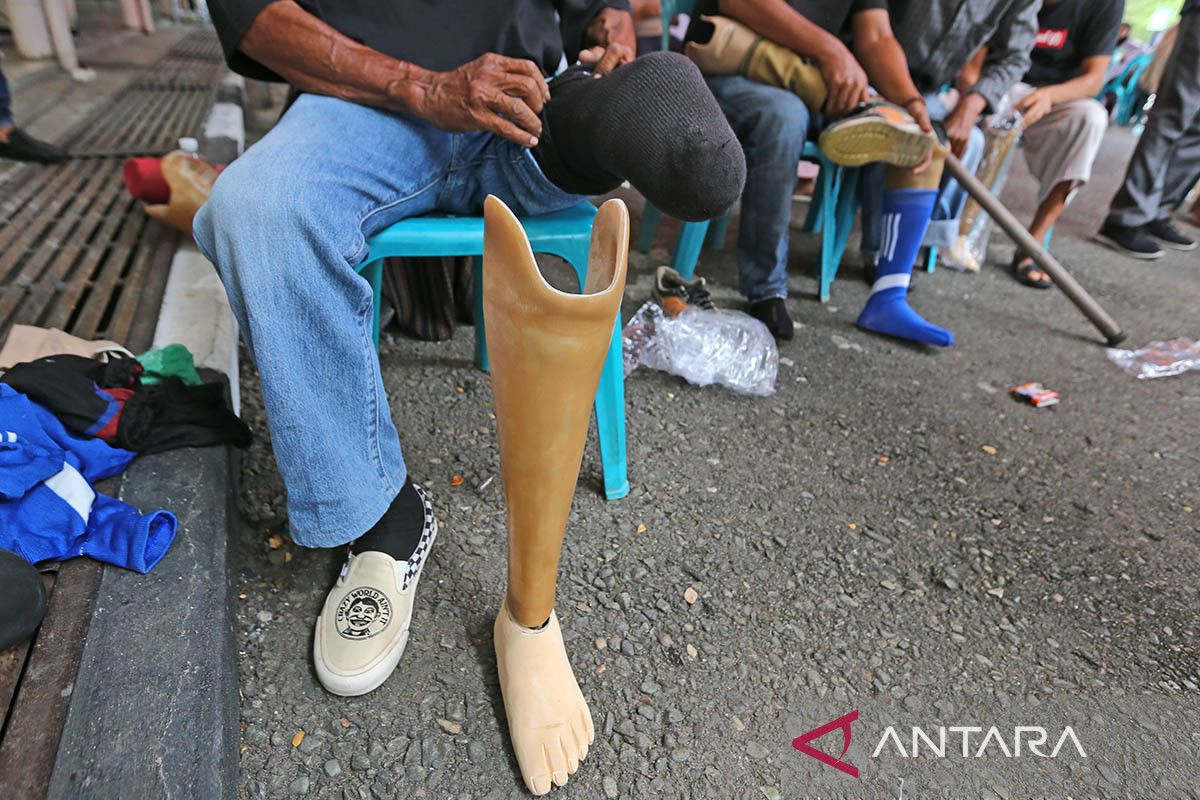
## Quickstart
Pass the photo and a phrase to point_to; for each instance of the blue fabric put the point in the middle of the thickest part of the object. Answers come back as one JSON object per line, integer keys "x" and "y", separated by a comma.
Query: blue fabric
{"x": 944, "y": 224}
{"x": 905, "y": 215}
{"x": 48, "y": 510}
{"x": 772, "y": 125}
{"x": 286, "y": 225}
{"x": 6, "y": 116}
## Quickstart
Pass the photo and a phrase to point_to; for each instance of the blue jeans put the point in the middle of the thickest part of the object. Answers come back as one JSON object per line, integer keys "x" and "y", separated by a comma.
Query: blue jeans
{"x": 944, "y": 224}
{"x": 6, "y": 116}
{"x": 772, "y": 125}
{"x": 286, "y": 225}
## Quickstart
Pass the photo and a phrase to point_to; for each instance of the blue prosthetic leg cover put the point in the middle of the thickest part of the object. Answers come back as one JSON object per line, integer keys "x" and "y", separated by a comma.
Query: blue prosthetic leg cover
{"x": 905, "y": 218}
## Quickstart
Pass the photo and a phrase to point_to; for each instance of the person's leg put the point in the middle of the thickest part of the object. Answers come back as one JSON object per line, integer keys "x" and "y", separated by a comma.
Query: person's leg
{"x": 1060, "y": 149}
{"x": 286, "y": 225}
{"x": 908, "y": 201}
{"x": 1176, "y": 106}
{"x": 6, "y": 117}
{"x": 15, "y": 143}
{"x": 944, "y": 225}
{"x": 771, "y": 125}
{"x": 1182, "y": 173}
{"x": 651, "y": 122}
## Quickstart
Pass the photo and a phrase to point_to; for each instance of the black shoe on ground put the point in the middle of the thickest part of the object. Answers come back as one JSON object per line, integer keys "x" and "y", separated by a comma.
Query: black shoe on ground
{"x": 1133, "y": 242}
{"x": 773, "y": 313}
{"x": 1165, "y": 231}
{"x": 23, "y": 147}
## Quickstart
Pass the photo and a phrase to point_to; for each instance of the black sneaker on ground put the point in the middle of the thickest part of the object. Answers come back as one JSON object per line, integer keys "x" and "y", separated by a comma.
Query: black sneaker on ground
{"x": 23, "y": 147}
{"x": 675, "y": 293}
{"x": 1165, "y": 231}
{"x": 1133, "y": 242}
{"x": 773, "y": 313}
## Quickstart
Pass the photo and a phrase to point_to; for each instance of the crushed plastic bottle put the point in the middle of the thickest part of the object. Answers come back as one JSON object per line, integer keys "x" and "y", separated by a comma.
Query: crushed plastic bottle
{"x": 1158, "y": 359}
{"x": 724, "y": 347}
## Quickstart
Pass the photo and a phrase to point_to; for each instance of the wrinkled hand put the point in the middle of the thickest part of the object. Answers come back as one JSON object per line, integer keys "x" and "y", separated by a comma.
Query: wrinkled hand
{"x": 961, "y": 120}
{"x": 612, "y": 26}
{"x": 845, "y": 80}
{"x": 604, "y": 60}
{"x": 1034, "y": 106}
{"x": 492, "y": 93}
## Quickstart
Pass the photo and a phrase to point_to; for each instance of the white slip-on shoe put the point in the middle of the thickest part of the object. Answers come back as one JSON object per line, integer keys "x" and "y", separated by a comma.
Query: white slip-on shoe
{"x": 363, "y": 627}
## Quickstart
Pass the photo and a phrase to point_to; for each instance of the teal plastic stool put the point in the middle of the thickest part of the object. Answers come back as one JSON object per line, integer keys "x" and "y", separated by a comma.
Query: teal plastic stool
{"x": 831, "y": 214}
{"x": 566, "y": 234}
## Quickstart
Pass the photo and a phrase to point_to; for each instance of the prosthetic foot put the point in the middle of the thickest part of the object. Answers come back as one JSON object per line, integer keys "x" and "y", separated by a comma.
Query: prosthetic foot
{"x": 546, "y": 350}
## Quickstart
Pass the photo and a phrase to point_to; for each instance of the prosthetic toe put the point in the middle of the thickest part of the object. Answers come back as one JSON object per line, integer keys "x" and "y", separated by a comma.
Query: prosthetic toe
{"x": 546, "y": 349}
{"x": 878, "y": 132}
{"x": 548, "y": 719}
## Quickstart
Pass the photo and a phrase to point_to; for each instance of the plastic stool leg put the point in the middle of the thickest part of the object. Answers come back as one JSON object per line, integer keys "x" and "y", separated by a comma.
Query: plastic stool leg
{"x": 687, "y": 252}
{"x": 481, "y": 355}
{"x": 373, "y": 272}
{"x": 717, "y": 232}
{"x": 648, "y": 228}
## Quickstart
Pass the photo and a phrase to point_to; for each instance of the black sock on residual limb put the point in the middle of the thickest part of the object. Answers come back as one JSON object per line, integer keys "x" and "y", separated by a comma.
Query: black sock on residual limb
{"x": 652, "y": 122}
{"x": 398, "y": 532}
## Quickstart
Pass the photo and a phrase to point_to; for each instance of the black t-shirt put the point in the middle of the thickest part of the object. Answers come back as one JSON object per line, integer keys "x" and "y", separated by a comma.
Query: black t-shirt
{"x": 435, "y": 34}
{"x": 832, "y": 16}
{"x": 1070, "y": 31}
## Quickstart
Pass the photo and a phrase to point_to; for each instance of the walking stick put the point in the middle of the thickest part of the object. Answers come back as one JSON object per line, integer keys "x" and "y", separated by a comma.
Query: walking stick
{"x": 1030, "y": 246}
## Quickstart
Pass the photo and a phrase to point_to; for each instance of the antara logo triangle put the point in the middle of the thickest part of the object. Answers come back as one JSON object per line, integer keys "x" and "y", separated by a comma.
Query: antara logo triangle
{"x": 841, "y": 723}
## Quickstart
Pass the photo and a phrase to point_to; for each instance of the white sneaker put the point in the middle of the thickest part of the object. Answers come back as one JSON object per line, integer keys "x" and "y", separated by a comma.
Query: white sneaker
{"x": 363, "y": 627}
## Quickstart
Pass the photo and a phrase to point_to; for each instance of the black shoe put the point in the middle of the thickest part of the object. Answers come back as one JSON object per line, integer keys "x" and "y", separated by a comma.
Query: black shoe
{"x": 1166, "y": 232}
{"x": 773, "y": 313}
{"x": 1133, "y": 242}
{"x": 23, "y": 147}
{"x": 22, "y": 599}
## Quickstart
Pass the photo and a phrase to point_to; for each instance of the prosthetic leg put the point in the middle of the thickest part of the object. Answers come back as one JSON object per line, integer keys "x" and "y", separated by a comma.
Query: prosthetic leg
{"x": 546, "y": 350}
{"x": 877, "y": 132}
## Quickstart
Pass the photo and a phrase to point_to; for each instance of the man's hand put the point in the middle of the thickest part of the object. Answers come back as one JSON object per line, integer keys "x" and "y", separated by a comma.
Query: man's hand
{"x": 614, "y": 41}
{"x": 492, "y": 93}
{"x": 844, "y": 79}
{"x": 961, "y": 120}
{"x": 1035, "y": 105}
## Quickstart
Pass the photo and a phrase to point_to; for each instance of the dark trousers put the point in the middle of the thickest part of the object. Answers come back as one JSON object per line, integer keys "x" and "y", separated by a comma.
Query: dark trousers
{"x": 5, "y": 102}
{"x": 1166, "y": 162}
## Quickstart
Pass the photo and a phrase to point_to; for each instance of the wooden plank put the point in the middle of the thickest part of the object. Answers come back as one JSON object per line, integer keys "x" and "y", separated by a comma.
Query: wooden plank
{"x": 35, "y": 720}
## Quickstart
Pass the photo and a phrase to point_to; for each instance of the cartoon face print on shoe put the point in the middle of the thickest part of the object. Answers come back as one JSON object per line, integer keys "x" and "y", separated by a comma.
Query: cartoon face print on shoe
{"x": 363, "y": 613}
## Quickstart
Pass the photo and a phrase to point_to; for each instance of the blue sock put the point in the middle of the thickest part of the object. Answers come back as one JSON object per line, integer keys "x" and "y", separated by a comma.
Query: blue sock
{"x": 905, "y": 218}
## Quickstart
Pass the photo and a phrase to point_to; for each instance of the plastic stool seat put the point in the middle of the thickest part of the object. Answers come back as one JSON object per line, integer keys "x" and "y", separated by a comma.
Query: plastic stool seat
{"x": 566, "y": 234}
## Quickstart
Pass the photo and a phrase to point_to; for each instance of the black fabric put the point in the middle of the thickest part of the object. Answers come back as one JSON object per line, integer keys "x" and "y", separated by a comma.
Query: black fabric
{"x": 429, "y": 295}
{"x": 1189, "y": 6}
{"x": 398, "y": 532}
{"x": 1070, "y": 31}
{"x": 67, "y": 386}
{"x": 652, "y": 122}
{"x": 23, "y": 147}
{"x": 22, "y": 599}
{"x": 438, "y": 35}
{"x": 171, "y": 414}
{"x": 833, "y": 17}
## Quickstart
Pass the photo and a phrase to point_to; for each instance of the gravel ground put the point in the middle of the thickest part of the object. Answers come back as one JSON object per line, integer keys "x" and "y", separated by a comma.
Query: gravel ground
{"x": 889, "y": 532}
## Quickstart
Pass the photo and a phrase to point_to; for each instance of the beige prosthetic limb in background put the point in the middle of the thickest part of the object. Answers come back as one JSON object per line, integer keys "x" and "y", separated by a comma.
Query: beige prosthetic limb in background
{"x": 734, "y": 49}
{"x": 546, "y": 350}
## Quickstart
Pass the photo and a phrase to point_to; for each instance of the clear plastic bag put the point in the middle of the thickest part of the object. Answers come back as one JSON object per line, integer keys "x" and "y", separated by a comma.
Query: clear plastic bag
{"x": 1002, "y": 131}
{"x": 728, "y": 348}
{"x": 1158, "y": 359}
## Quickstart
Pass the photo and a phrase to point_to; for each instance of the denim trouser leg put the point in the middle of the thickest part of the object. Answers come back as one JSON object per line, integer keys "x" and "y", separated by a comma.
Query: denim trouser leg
{"x": 286, "y": 224}
{"x": 772, "y": 125}
{"x": 6, "y": 116}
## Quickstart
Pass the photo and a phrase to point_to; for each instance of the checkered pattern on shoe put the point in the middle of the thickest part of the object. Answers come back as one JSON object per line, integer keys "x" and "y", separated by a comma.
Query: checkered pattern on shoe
{"x": 428, "y": 531}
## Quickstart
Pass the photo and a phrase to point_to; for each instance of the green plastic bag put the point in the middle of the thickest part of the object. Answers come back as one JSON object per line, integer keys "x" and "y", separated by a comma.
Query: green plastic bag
{"x": 172, "y": 361}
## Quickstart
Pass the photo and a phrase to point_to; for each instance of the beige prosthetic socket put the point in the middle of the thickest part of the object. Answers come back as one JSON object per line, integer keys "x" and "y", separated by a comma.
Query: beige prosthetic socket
{"x": 734, "y": 49}
{"x": 546, "y": 349}
{"x": 928, "y": 178}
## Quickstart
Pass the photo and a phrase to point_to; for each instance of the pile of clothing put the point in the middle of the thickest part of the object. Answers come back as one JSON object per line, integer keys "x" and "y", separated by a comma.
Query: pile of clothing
{"x": 67, "y": 421}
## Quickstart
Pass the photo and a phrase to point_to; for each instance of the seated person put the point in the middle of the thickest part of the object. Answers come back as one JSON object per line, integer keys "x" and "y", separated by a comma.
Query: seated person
{"x": 783, "y": 65}
{"x": 407, "y": 108}
{"x": 876, "y": 132}
{"x": 1063, "y": 124}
